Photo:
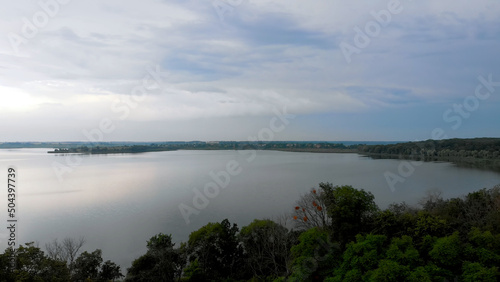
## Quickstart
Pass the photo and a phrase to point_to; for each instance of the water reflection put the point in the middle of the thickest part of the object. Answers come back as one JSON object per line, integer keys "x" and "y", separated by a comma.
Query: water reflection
{"x": 117, "y": 202}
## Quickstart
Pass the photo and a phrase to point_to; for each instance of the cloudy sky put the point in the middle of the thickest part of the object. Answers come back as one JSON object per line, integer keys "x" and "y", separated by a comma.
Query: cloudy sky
{"x": 157, "y": 70}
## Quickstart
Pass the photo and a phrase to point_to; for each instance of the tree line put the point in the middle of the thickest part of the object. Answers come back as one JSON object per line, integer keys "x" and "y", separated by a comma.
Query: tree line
{"x": 112, "y": 148}
{"x": 478, "y": 152}
{"x": 338, "y": 234}
{"x": 62, "y": 261}
{"x": 488, "y": 148}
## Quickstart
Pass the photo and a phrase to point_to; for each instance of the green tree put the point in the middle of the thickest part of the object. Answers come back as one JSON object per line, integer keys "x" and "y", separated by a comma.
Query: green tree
{"x": 216, "y": 248}
{"x": 6, "y": 266}
{"x": 474, "y": 272}
{"x": 482, "y": 208}
{"x": 361, "y": 258}
{"x": 454, "y": 212}
{"x": 314, "y": 257}
{"x": 351, "y": 211}
{"x": 194, "y": 272}
{"x": 419, "y": 274}
{"x": 396, "y": 221}
{"x": 141, "y": 268}
{"x": 447, "y": 254}
{"x": 31, "y": 264}
{"x": 428, "y": 224}
{"x": 160, "y": 263}
{"x": 266, "y": 247}
{"x": 389, "y": 270}
{"x": 162, "y": 249}
{"x": 87, "y": 266}
{"x": 109, "y": 271}
{"x": 483, "y": 247}
{"x": 403, "y": 252}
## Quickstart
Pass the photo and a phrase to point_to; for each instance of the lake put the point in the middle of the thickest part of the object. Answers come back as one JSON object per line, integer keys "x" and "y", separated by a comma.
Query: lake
{"x": 117, "y": 202}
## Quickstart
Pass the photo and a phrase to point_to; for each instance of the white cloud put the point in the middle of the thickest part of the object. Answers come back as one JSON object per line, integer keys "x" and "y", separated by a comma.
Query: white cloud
{"x": 265, "y": 54}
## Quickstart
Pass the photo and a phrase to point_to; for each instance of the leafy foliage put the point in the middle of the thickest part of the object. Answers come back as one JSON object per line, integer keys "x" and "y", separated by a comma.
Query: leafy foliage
{"x": 477, "y": 272}
{"x": 350, "y": 240}
{"x": 29, "y": 263}
{"x": 351, "y": 211}
{"x": 87, "y": 265}
{"x": 314, "y": 257}
{"x": 161, "y": 262}
{"x": 216, "y": 248}
{"x": 266, "y": 246}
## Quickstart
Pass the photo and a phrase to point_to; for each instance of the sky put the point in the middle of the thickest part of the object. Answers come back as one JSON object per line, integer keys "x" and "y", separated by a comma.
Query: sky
{"x": 325, "y": 70}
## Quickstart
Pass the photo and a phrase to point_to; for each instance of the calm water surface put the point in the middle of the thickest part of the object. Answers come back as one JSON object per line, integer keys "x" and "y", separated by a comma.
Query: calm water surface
{"x": 117, "y": 202}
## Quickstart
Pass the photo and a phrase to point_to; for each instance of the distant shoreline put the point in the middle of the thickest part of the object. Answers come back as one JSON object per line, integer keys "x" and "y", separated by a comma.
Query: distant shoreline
{"x": 481, "y": 153}
{"x": 129, "y": 151}
{"x": 316, "y": 147}
{"x": 469, "y": 162}
{"x": 337, "y": 151}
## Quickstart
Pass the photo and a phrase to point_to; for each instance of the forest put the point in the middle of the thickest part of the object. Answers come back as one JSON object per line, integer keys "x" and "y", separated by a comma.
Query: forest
{"x": 477, "y": 152}
{"x": 337, "y": 233}
{"x": 488, "y": 148}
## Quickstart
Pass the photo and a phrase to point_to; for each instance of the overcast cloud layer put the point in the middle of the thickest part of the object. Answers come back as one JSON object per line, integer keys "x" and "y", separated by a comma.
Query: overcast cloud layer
{"x": 201, "y": 70}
